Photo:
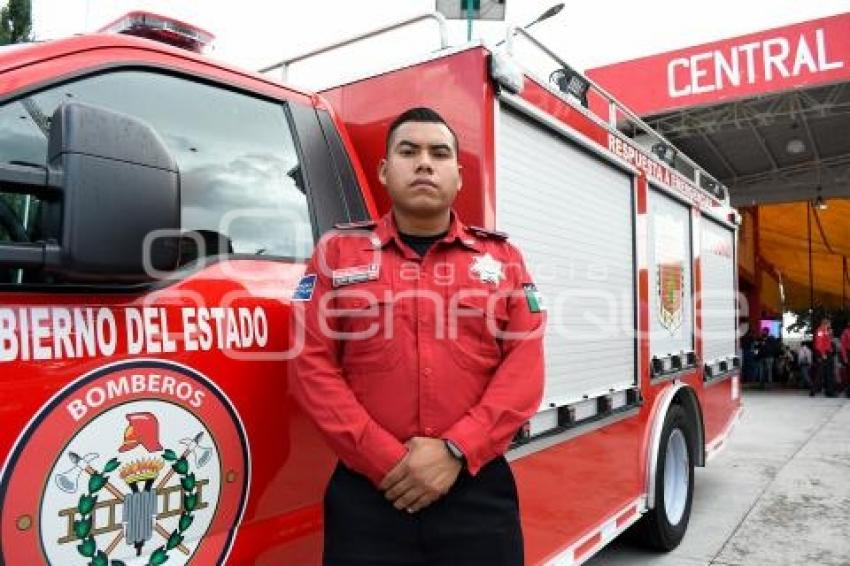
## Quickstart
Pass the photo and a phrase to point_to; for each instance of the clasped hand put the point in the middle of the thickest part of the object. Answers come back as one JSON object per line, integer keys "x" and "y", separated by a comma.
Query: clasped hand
{"x": 423, "y": 476}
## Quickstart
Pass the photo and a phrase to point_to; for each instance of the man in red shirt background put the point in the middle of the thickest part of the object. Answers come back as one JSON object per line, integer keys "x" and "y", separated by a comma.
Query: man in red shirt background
{"x": 825, "y": 373}
{"x": 422, "y": 358}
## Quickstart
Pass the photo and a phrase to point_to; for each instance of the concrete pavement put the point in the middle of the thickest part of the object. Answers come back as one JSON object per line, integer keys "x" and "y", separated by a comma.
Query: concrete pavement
{"x": 779, "y": 494}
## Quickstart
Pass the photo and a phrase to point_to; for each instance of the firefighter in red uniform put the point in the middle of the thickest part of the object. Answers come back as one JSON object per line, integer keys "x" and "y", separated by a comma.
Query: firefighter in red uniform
{"x": 422, "y": 358}
{"x": 825, "y": 374}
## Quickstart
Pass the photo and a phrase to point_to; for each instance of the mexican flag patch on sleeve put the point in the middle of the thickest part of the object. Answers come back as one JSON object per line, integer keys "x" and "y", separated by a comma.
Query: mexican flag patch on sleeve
{"x": 533, "y": 298}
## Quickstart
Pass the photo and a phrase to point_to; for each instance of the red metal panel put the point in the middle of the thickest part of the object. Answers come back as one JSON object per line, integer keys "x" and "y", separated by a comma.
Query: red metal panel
{"x": 802, "y": 55}
{"x": 52, "y": 60}
{"x": 642, "y": 251}
{"x": 287, "y": 483}
{"x": 459, "y": 89}
{"x": 555, "y": 485}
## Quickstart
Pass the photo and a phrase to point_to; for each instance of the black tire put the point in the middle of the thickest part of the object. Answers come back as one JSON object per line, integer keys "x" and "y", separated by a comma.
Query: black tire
{"x": 654, "y": 529}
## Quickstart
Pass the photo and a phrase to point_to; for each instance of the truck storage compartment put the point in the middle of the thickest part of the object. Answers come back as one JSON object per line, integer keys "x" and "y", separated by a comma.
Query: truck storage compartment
{"x": 719, "y": 314}
{"x": 571, "y": 213}
{"x": 670, "y": 261}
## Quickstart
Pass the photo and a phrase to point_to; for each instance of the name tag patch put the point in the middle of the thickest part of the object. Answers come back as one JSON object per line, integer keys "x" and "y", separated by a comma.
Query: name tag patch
{"x": 351, "y": 275}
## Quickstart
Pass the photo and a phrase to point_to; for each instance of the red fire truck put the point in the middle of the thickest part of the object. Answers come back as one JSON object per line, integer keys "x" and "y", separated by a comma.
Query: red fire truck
{"x": 157, "y": 209}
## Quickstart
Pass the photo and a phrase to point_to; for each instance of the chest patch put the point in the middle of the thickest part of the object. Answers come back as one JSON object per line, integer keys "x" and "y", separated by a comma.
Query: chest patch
{"x": 358, "y": 274}
{"x": 487, "y": 268}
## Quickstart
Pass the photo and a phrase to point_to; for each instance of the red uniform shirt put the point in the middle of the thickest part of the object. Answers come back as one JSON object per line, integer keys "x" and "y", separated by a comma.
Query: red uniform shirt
{"x": 448, "y": 345}
{"x": 823, "y": 342}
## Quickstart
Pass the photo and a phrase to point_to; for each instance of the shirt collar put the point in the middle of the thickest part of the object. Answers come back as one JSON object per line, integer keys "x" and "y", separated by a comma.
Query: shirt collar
{"x": 387, "y": 231}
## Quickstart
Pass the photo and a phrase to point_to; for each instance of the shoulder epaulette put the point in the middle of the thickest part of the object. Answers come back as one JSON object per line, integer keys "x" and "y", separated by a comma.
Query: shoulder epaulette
{"x": 361, "y": 225}
{"x": 485, "y": 233}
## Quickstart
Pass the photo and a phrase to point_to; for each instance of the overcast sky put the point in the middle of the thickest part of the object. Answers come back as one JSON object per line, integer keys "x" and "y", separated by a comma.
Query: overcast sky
{"x": 255, "y": 33}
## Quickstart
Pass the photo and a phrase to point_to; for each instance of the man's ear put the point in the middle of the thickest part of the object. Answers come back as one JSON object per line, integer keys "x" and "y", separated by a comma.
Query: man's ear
{"x": 382, "y": 171}
{"x": 459, "y": 176}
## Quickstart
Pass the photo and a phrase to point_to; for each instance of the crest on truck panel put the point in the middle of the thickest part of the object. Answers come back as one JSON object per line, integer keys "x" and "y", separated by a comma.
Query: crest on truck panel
{"x": 139, "y": 462}
{"x": 671, "y": 294}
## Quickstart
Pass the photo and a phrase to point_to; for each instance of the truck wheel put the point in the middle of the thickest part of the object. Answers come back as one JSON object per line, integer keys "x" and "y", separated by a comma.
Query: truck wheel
{"x": 663, "y": 527}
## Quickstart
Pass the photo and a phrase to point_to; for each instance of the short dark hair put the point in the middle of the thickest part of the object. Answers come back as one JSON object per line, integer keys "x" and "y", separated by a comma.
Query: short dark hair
{"x": 420, "y": 114}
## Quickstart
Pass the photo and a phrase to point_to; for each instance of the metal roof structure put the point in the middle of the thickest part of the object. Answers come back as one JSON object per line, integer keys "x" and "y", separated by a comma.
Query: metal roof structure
{"x": 783, "y": 147}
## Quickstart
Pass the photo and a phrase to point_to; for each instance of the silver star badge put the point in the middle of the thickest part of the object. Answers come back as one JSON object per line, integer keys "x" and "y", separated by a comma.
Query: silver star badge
{"x": 487, "y": 268}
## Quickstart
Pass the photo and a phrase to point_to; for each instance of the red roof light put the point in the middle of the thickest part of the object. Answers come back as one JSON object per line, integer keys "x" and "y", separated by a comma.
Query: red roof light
{"x": 161, "y": 28}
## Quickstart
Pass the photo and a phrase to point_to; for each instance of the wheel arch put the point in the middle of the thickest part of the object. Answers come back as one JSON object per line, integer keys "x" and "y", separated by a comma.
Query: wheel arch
{"x": 685, "y": 396}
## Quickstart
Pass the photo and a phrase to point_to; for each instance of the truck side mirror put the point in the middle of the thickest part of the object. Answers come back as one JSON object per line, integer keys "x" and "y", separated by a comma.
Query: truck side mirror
{"x": 114, "y": 183}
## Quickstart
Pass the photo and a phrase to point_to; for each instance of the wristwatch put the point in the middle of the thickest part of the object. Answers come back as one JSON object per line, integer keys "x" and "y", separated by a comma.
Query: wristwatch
{"x": 455, "y": 451}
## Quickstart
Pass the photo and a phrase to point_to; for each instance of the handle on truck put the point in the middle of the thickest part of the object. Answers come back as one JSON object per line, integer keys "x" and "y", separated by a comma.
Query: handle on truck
{"x": 614, "y": 105}
{"x": 437, "y": 17}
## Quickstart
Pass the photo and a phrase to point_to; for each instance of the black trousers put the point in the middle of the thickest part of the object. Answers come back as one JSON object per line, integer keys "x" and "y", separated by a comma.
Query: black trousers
{"x": 824, "y": 376}
{"x": 477, "y": 522}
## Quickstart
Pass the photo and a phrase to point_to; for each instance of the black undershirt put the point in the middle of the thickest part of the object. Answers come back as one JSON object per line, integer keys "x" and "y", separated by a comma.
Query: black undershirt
{"x": 421, "y": 244}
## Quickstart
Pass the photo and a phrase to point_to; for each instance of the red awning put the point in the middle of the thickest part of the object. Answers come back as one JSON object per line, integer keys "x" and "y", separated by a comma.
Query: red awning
{"x": 803, "y": 55}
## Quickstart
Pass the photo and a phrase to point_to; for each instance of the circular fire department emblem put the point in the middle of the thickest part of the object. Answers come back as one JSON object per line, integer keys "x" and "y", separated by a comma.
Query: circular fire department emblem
{"x": 140, "y": 462}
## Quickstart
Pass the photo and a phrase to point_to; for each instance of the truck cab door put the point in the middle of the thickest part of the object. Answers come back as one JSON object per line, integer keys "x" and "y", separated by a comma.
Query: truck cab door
{"x": 152, "y": 418}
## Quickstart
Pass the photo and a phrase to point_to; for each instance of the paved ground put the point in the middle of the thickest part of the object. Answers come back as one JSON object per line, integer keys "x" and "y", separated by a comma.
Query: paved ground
{"x": 779, "y": 494}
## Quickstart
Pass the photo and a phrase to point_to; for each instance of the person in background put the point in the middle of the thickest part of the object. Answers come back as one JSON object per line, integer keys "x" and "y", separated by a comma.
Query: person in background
{"x": 767, "y": 356}
{"x": 756, "y": 346}
{"x": 837, "y": 364}
{"x": 749, "y": 362}
{"x": 824, "y": 373}
{"x": 785, "y": 363}
{"x": 804, "y": 359}
{"x": 845, "y": 357}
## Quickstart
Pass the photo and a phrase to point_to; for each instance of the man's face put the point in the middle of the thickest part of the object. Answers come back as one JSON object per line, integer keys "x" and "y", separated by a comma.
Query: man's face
{"x": 421, "y": 172}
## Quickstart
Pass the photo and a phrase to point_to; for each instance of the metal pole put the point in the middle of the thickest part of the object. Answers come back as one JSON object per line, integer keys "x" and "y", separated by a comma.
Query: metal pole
{"x": 469, "y": 20}
{"x": 811, "y": 272}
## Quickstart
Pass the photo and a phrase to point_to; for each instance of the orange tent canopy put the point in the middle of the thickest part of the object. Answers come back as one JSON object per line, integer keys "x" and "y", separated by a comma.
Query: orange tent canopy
{"x": 783, "y": 244}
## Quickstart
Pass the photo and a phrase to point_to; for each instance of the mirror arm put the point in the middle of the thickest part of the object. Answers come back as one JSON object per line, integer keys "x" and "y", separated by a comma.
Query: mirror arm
{"x": 29, "y": 179}
{"x": 30, "y": 256}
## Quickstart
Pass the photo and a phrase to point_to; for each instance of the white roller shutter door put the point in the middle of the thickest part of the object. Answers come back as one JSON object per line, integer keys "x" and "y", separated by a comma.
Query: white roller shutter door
{"x": 571, "y": 214}
{"x": 719, "y": 316}
{"x": 670, "y": 296}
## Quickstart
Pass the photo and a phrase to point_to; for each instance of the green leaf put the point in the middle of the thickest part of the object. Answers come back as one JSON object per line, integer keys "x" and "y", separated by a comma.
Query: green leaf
{"x": 181, "y": 466}
{"x": 101, "y": 559}
{"x": 87, "y": 548}
{"x": 96, "y": 482}
{"x": 86, "y": 504}
{"x": 188, "y": 482}
{"x": 82, "y": 528}
{"x": 185, "y": 522}
{"x": 158, "y": 557}
{"x": 168, "y": 454}
{"x": 190, "y": 502}
{"x": 117, "y": 563}
{"x": 174, "y": 540}
{"x": 111, "y": 466}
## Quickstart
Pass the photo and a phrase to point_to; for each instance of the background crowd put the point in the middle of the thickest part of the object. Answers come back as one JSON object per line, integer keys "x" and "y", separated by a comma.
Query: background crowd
{"x": 820, "y": 364}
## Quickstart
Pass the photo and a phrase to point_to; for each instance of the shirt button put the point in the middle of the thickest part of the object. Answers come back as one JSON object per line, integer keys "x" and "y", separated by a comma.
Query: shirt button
{"x": 427, "y": 372}
{"x": 429, "y": 430}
